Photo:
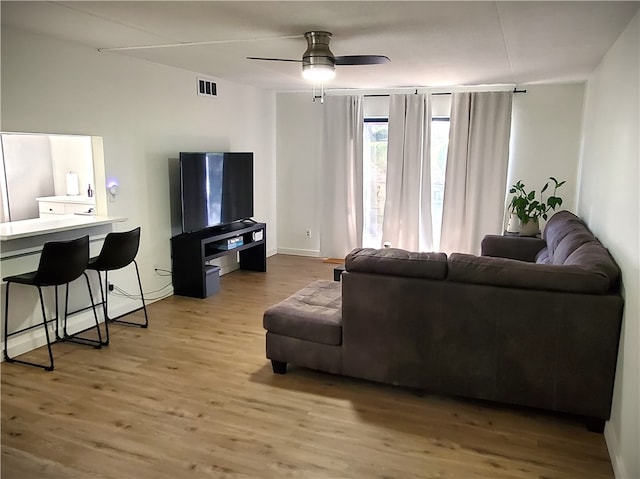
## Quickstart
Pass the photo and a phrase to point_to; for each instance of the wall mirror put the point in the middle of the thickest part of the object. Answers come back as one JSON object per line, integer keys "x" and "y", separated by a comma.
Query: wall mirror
{"x": 43, "y": 175}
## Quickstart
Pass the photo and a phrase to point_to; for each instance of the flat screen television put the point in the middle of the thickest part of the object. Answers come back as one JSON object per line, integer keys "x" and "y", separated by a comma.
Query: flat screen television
{"x": 215, "y": 189}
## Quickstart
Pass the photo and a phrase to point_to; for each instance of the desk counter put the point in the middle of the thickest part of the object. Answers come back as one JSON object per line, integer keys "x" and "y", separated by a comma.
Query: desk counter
{"x": 21, "y": 244}
{"x": 45, "y": 226}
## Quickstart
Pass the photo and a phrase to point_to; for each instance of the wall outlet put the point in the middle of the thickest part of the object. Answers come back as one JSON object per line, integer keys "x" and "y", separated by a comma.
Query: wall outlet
{"x": 308, "y": 233}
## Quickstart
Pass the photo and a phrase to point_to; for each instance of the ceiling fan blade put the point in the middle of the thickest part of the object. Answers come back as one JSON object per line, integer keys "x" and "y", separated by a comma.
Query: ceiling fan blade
{"x": 274, "y": 59}
{"x": 361, "y": 60}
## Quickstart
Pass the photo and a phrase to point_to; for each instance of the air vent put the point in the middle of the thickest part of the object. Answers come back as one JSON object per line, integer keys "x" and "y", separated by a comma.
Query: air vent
{"x": 206, "y": 87}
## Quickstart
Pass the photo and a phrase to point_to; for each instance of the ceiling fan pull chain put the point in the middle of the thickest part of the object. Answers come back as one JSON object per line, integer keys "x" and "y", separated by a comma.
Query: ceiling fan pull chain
{"x": 315, "y": 92}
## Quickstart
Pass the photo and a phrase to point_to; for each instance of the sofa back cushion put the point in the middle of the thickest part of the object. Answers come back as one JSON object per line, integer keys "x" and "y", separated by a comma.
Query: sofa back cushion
{"x": 567, "y": 245}
{"x": 466, "y": 268}
{"x": 558, "y": 227}
{"x": 596, "y": 258}
{"x": 570, "y": 243}
{"x": 397, "y": 262}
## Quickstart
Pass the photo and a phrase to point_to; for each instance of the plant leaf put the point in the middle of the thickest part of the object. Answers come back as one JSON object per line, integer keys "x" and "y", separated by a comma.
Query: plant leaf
{"x": 554, "y": 201}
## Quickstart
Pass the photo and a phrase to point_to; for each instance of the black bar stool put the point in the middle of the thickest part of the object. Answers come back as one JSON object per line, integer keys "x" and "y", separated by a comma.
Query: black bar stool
{"x": 119, "y": 250}
{"x": 61, "y": 262}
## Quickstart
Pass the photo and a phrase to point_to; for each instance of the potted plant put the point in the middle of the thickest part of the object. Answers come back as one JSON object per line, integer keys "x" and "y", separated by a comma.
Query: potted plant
{"x": 528, "y": 209}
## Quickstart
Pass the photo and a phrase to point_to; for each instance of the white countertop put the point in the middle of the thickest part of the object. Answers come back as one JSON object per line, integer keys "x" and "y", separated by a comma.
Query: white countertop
{"x": 41, "y": 226}
{"x": 82, "y": 200}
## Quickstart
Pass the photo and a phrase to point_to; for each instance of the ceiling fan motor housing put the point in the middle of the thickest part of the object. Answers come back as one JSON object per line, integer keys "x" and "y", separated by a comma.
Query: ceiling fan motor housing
{"x": 318, "y": 52}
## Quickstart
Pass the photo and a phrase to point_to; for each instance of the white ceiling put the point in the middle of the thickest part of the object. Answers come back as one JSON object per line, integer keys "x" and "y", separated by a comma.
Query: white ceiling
{"x": 429, "y": 43}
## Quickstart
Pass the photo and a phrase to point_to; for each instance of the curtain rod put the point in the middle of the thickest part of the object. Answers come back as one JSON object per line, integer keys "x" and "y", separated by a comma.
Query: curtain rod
{"x": 515, "y": 90}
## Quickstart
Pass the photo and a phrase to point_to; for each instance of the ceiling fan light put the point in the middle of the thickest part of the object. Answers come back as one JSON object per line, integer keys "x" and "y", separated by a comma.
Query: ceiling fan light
{"x": 318, "y": 73}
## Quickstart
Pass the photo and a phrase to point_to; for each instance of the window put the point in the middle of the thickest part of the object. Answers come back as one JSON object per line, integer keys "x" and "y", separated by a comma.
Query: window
{"x": 374, "y": 179}
{"x": 375, "y": 175}
{"x": 439, "y": 147}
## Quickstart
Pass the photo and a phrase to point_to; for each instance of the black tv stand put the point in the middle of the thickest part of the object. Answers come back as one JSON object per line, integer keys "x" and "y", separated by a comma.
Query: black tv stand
{"x": 191, "y": 253}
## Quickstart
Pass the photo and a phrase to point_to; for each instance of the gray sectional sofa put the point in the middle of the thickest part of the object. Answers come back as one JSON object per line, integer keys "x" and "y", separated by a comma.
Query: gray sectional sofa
{"x": 532, "y": 322}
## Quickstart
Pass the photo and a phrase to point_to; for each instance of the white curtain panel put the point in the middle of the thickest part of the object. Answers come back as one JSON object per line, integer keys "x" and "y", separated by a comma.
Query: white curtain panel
{"x": 341, "y": 176}
{"x": 477, "y": 160}
{"x": 407, "y": 210}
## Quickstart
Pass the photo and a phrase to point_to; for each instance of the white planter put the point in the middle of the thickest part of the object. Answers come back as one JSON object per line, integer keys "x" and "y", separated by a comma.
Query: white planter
{"x": 514, "y": 224}
{"x": 530, "y": 228}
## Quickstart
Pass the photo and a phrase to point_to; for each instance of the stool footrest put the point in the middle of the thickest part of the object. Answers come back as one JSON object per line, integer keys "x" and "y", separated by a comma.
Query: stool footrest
{"x": 131, "y": 323}
{"x": 84, "y": 341}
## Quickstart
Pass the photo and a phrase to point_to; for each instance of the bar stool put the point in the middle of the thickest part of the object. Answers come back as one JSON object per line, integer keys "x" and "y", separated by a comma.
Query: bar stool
{"x": 118, "y": 250}
{"x": 61, "y": 262}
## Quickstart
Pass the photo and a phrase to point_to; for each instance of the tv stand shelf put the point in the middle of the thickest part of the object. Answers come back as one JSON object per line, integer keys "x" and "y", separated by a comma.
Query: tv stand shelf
{"x": 190, "y": 253}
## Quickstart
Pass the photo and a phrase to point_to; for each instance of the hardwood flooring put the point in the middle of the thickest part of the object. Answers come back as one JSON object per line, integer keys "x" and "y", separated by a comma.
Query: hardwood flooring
{"x": 194, "y": 397}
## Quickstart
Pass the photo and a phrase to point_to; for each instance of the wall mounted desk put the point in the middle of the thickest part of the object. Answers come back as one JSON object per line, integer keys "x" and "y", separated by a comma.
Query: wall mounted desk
{"x": 21, "y": 243}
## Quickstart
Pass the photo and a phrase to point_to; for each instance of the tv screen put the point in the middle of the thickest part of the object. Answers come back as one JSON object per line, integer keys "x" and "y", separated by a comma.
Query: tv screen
{"x": 216, "y": 189}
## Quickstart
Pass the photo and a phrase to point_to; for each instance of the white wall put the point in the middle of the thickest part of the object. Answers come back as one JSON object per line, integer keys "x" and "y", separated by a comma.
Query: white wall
{"x": 545, "y": 138}
{"x": 299, "y": 123}
{"x": 608, "y": 201}
{"x": 146, "y": 114}
{"x": 544, "y": 142}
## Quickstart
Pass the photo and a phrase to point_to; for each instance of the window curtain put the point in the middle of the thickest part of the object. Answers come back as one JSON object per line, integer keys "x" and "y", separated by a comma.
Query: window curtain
{"x": 341, "y": 175}
{"x": 476, "y": 174}
{"x": 407, "y": 209}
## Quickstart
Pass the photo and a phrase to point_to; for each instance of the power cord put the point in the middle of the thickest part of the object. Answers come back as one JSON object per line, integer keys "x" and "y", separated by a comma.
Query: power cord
{"x": 162, "y": 272}
{"x": 117, "y": 291}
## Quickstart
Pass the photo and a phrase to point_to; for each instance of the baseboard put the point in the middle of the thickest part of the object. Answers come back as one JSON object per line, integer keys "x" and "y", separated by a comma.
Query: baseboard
{"x": 299, "y": 252}
{"x": 610, "y": 438}
{"x": 28, "y": 341}
{"x": 229, "y": 268}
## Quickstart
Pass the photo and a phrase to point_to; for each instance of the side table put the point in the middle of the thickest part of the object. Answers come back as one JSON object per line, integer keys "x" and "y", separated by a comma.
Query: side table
{"x": 337, "y": 272}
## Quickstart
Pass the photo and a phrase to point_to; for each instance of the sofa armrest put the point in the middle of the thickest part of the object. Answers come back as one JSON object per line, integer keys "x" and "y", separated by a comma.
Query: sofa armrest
{"x": 522, "y": 248}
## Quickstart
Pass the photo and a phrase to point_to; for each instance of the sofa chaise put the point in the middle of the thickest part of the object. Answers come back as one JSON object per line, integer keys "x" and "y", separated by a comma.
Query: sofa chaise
{"x": 532, "y": 322}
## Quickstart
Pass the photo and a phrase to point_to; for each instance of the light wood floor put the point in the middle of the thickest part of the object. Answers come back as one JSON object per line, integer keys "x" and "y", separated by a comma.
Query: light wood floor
{"x": 194, "y": 397}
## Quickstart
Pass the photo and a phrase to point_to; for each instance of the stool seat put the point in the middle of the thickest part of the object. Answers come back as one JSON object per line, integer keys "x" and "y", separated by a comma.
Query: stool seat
{"x": 24, "y": 278}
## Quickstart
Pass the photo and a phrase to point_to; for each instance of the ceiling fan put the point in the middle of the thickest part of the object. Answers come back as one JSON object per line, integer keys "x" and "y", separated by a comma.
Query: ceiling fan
{"x": 318, "y": 62}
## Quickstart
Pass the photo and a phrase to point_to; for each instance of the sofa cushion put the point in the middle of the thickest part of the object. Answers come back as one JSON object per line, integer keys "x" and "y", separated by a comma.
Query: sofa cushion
{"x": 596, "y": 258}
{"x": 560, "y": 225}
{"x": 397, "y": 262}
{"x": 543, "y": 256}
{"x": 466, "y": 268}
{"x": 314, "y": 314}
{"x": 568, "y": 244}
